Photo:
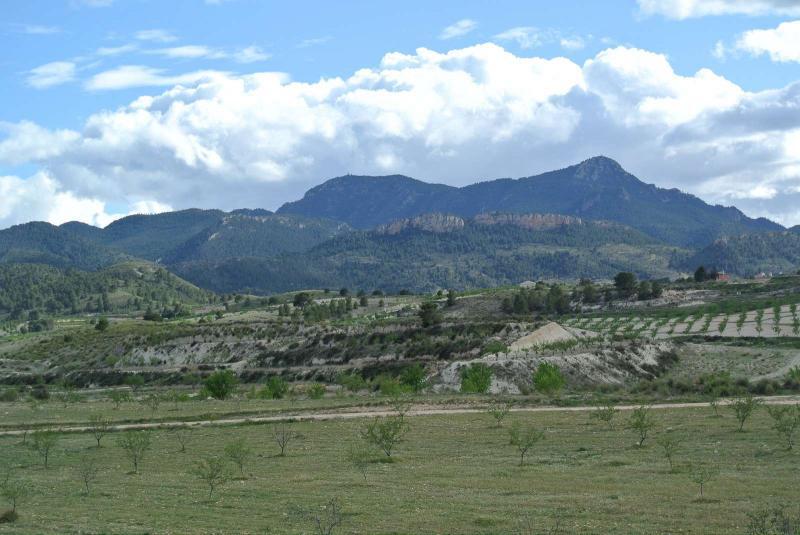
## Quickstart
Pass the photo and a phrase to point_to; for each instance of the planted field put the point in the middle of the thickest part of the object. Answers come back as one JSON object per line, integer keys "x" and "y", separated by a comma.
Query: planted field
{"x": 451, "y": 474}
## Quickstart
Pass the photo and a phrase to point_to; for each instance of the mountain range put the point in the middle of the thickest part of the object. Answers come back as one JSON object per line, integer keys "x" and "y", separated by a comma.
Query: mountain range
{"x": 393, "y": 232}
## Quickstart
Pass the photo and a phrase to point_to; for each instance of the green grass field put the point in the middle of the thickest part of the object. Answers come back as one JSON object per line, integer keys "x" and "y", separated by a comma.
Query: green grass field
{"x": 452, "y": 474}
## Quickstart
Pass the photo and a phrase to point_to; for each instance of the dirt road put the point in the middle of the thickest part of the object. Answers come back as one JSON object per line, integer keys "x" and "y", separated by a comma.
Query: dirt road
{"x": 421, "y": 410}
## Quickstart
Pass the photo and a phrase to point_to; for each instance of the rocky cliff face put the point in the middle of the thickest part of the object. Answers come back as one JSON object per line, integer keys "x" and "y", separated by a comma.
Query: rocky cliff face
{"x": 528, "y": 221}
{"x": 428, "y": 222}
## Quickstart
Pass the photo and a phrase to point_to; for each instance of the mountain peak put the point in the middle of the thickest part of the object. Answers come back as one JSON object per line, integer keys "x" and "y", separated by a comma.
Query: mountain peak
{"x": 599, "y": 168}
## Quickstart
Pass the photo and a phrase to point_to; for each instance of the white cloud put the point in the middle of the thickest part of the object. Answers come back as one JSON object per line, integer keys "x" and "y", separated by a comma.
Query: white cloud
{"x": 219, "y": 140}
{"x": 527, "y": 37}
{"x": 457, "y": 29}
{"x": 38, "y": 29}
{"x": 156, "y": 35}
{"x": 307, "y": 43}
{"x": 26, "y": 142}
{"x": 117, "y": 50}
{"x": 684, "y": 9}
{"x": 189, "y": 51}
{"x": 250, "y": 54}
{"x": 781, "y": 44}
{"x": 572, "y": 43}
{"x": 51, "y": 74}
{"x": 128, "y": 76}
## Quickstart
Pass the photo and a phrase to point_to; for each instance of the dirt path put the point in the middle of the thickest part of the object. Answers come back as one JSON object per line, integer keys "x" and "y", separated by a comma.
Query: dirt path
{"x": 421, "y": 410}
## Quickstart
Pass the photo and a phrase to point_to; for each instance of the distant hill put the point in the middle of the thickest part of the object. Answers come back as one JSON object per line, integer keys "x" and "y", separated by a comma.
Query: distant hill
{"x": 444, "y": 251}
{"x": 598, "y": 188}
{"x": 43, "y": 243}
{"x": 126, "y": 287}
{"x": 749, "y": 254}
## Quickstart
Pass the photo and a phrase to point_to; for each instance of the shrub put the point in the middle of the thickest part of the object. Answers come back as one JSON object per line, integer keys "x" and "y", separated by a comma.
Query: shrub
{"x": 605, "y": 413}
{"x": 476, "y": 378}
{"x": 413, "y": 377}
{"x": 548, "y": 379}
{"x": 276, "y": 387}
{"x": 40, "y": 392}
{"x": 9, "y": 395}
{"x": 316, "y": 391}
{"x": 499, "y": 410}
{"x": 43, "y": 443}
{"x": 429, "y": 314}
{"x": 702, "y": 475}
{"x": 773, "y": 521}
{"x": 494, "y": 347}
{"x": 786, "y": 420}
{"x": 99, "y": 426}
{"x": 283, "y": 435}
{"x": 389, "y": 386}
{"x": 670, "y": 445}
{"x": 239, "y": 452}
{"x": 87, "y": 471}
{"x": 352, "y": 381}
{"x": 221, "y": 384}
{"x": 102, "y": 324}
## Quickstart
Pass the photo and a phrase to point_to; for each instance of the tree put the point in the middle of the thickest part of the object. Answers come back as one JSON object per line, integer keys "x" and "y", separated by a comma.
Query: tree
{"x": 117, "y": 397}
{"x": 786, "y": 419}
{"x": 221, "y": 384}
{"x": 744, "y": 407}
{"x": 14, "y": 491}
{"x": 524, "y": 439}
{"x": 642, "y": 422}
{"x": 476, "y": 378}
{"x": 87, "y": 471}
{"x": 363, "y": 301}
{"x": 700, "y": 274}
{"x": 499, "y": 410}
{"x": 135, "y": 444}
{"x": 152, "y": 401}
{"x": 43, "y": 443}
{"x": 429, "y": 314}
{"x": 669, "y": 444}
{"x": 239, "y": 452}
{"x": 702, "y": 474}
{"x": 645, "y": 291}
{"x": 276, "y": 387}
{"x": 102, "y": 324}
{"x": 451, "y": 298}
{"x": 385, "y": 433}
{"x": 301, "y": 299}
{"x": 325, "y": 519}
{"x": 548, "y": 379}
{"x": 605, "y": 413}
{"x": 99, "y": 425}
{"x": 213, "y": 472}
{"x": 182, "y": 435}
{"x": 283, "y": 435}
{"x": 625, "y": 283}
{"x": 359, "y": 455}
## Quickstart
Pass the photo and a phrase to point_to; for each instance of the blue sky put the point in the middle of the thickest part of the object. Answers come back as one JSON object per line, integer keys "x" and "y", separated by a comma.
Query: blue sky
{"x": 682, "y": 92}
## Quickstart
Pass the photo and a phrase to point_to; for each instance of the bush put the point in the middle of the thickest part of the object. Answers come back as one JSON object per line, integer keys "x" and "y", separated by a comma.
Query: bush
{"x": 9, "y": 395}
{"x": 389, "y": 386}
{"x": 476, "y": 378}
{"x": 548, "y": 379}
{"x": 8, "y": 517}
{"x": 352, "y": 381}
{"x": 413, "y": 377}
{"x": 385, "y": 433}
{"x": 221, "y": 384}
{"x": 276, "y": 387}
{"x": 40, "y": 392}
{"x": 316, "y": 391}
{"x": 102, "y": 324}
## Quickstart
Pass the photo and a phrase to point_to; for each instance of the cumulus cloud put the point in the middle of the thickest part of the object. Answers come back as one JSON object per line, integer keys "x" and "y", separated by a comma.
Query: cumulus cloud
{"x": 226, "y": 141}
{"x": 684, "y": 9}
{"x": 51, "y": 74}
{"x": 781, "y": 44}
{"x": 527, "y": 37}
{"x": 457, "y": 29}
{"x": 250, "y": 54}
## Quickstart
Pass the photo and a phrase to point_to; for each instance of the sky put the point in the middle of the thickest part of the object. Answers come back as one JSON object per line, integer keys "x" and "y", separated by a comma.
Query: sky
{"x": 114, "y": 107}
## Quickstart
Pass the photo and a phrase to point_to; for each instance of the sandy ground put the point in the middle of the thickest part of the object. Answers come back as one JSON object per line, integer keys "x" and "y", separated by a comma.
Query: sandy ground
{"x": 421, "y": 410}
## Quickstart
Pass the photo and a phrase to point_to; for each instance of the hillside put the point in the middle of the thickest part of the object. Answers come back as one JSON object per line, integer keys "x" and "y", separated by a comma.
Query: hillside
{"x": 438, "y": 251}
{"x": 43, "y": 243}
{"x": 748, "y": 254}
{"x": 598, "y": 188}
{"x": 126, "y": 287}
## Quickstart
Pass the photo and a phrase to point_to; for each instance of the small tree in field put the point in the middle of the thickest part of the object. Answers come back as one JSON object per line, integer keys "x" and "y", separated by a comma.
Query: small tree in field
{"x": 43, "y": 443}
{"x": 212, "y": 472}
{"x": 324, "y": 519}
{"x": 524, "y": 438}
{"x": 670, "y": 445}
{"x": 87, "y": 471}
{"x": 713, "y": 402}
{"x": 642, "y": 422}
{"x": 283, "y": 434}
{"x": 239, "y": 452}
{"x": 786, "y": 420}
{"x": 744, "y": 407}
{"x": 702, "y": 475}
{"x": 605, "y": 413}
{"x": 181, "y": 434}
{"x": 548, "y": 379}
{"x": 152, "y": 402}
{"x": 359, "y": 455}
{"x": 385, "y": 433}
{"x": 135, "y": 444}
{"x": 99, "y": 426}
{"x": 118, "y": 397}
{"x": 499, "y": 410}
{"x": 13, "y": 491}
